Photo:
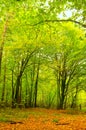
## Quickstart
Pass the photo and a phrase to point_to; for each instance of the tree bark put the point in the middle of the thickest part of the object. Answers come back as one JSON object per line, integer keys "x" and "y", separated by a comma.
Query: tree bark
{"x": 36, "y": 84}
{"x": 13, "y": 102}
{"x": 3, "y": 41}
{"x": 4, "y": 84}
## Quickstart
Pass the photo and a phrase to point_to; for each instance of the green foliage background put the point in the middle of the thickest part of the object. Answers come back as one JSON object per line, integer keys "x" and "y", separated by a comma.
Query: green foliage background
{"x": 33, "y": 37}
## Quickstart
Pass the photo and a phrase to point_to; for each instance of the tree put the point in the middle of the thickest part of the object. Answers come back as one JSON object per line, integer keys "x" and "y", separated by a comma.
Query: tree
{"x": 66, "y": 61}
{"x": 43, "y": 51}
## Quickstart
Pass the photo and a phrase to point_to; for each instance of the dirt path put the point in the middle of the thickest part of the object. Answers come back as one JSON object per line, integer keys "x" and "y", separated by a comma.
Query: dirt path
{"x": 44, "y": 119}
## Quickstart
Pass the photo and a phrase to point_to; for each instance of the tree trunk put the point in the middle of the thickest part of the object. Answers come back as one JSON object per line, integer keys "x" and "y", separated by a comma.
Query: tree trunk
{"x": 36, "y": 85}
{"x": 22, "y": 67}
{"x": 4, "y": 84}
{"x": 13, "y": 102}
{"x": 63, "y": 83}
{"x": 17, "y": 98}
{"x": 58, "y": 90}
{"x": 3, "y": 41}
{"x": 31, "y": 92}
{"x": 74, "y": 104}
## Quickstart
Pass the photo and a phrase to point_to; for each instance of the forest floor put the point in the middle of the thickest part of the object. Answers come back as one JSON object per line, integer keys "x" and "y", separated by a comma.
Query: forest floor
{"x": 42, "y": 119}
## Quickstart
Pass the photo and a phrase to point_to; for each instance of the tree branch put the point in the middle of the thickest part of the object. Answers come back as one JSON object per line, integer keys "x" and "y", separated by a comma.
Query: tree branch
{"x": 62, "y": 20}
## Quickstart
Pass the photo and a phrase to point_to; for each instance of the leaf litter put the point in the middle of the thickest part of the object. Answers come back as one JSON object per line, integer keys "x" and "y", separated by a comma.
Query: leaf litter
{"x": 44, "y": 119}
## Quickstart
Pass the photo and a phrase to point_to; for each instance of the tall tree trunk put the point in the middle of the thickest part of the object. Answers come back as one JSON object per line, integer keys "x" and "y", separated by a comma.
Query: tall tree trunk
{"x": 3, "y": 41}
{"x": 36, "y": 85}
{"x": 31, "y": 99}
{"x": 62, "y": 97}
{"x": 63, "y": 83}
{"x": 58, "y": 80}
{"x": 58, "y": 89}
{"x": 63, "y": 88}
{"x": 18, "y": 81}
{"x": 13, "y": 102}
{"x": 20, "y": 94}
{"x": 4, "y": 83}
{"x": 26, "y": 93}
{"x": 74, "y": 103}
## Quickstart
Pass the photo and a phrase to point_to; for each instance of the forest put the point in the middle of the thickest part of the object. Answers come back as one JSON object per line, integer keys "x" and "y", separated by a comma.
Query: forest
{"x": 43, "y": 54}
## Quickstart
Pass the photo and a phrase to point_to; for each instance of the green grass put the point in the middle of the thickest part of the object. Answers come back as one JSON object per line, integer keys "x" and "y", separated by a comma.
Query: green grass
{"x": 4, "y": 119}
{"x": 12, "y": 114}
{"x": 8, "y": 114}
{"x": 55, "y": 120}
